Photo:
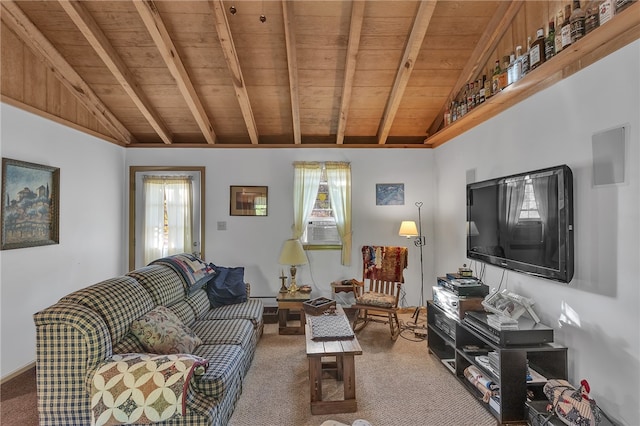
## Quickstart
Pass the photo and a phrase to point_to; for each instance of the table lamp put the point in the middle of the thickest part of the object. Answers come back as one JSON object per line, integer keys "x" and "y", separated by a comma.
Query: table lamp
{"x": 408, "y": 229}
{"x": 292, "y": 254}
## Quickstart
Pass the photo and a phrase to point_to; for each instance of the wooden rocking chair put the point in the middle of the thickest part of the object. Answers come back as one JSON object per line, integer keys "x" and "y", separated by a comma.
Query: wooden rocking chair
{"x": 378, "y": 294}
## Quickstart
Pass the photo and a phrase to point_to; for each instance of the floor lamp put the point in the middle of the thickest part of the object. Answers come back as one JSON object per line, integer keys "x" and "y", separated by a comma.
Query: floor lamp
{"x": 408, "y": 229}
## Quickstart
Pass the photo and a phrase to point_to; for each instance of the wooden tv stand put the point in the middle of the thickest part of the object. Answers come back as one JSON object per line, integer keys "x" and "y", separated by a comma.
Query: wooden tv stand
{"x": 450, "y": 338}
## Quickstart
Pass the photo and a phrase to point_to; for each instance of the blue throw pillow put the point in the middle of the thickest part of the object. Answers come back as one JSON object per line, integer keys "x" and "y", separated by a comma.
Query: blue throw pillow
{"x": 227, "y": 286}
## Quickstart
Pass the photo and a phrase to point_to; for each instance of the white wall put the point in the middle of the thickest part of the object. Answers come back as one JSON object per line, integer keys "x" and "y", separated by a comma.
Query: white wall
{"x": 255, "y": 242}
{"x": 596, "y": 315}
{"x": 92, "y": 176}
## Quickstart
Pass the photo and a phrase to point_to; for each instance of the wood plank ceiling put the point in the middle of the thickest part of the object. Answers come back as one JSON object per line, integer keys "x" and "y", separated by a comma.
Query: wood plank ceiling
{"x": 314, "y": 73}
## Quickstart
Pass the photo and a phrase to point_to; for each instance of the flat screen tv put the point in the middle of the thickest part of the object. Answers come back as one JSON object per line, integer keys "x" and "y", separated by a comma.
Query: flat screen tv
{"x": 524, "y": 222}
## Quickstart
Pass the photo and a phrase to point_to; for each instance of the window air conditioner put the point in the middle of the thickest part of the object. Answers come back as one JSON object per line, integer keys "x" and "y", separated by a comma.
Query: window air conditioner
{"x": 322, "y": 232}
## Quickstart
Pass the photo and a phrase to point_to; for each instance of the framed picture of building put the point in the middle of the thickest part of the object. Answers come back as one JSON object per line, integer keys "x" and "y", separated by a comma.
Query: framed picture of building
{"x": 30, "y": 204}
{"x": 248, "y": 201}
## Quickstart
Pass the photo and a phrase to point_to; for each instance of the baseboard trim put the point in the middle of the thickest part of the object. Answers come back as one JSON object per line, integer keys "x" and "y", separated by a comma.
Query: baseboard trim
{"x": 411, "y": 309}
{"x": 17, "y": 372}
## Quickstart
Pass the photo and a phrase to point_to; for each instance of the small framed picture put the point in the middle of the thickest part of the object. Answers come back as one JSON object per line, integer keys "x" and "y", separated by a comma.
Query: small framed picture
{"x": 248, "y": 201}
{"x": 30, "y": 204}
{"x": 389, "y": 194}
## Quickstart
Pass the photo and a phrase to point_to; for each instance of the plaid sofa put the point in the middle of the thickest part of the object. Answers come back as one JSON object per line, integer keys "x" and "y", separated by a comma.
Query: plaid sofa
{"x": 88, "y": 326}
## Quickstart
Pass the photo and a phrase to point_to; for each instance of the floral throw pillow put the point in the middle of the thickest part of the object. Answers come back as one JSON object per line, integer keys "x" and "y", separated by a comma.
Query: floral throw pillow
{"x": 160, "y": 331}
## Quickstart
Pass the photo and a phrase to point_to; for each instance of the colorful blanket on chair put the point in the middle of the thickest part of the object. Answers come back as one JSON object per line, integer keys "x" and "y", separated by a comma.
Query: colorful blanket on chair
{"x": 384, "y": 263}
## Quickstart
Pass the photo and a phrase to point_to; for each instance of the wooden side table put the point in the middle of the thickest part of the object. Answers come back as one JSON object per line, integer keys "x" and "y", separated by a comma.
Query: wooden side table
{"x": 291, "y": 301}
{"x": 341, "y": 288}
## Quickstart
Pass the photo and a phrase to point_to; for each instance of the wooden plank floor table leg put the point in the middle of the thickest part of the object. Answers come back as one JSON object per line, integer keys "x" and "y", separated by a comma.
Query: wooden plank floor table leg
{"x": 315, "y": 378}
{"x": 282, "y": 317}
{"x": 339, "y": 368}
{"x": 349, "y": 377}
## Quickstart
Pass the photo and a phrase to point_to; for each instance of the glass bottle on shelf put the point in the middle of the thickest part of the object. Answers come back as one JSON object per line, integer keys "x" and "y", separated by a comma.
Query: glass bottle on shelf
{"x": 559, "y": 21}
{"x": 566, "y": 28}
{"x": 606, "y": 11}
{"x": 550, "y": 42}
{"x": 511, "y": 67}
{"x": 518, "y": 64}
{"x": 536, "y": 57}
{"x": 503, "y": 78}
{"x": 495, "y": 78}
{"x": 526, "y": 60}
{"x": 592, "y": 21}
{"x": 622, "y": 5}
{"x": 487, "y": 87}
{"x": 577, "y": 22}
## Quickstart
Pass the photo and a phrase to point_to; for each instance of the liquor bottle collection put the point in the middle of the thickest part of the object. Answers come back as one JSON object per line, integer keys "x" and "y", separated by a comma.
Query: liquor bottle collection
{"x": 571, "y": 24}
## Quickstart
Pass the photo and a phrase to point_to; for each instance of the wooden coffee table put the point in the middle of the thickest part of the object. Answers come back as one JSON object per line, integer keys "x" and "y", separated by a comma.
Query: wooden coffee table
{"x": 343, "y": 351}
{"x": 291, "y": 301}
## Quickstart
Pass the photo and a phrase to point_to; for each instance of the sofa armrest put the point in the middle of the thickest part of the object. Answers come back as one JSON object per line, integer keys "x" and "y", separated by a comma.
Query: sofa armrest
{"x": 71, "y": 341}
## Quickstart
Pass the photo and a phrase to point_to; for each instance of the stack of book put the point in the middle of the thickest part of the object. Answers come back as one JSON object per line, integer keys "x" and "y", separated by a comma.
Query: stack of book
{"x": 502, "y": 322}
{"x": 494, "y": 362}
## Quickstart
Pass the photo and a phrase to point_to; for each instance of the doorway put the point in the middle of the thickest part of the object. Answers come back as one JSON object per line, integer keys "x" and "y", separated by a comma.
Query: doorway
{"x": 166, "y": 212}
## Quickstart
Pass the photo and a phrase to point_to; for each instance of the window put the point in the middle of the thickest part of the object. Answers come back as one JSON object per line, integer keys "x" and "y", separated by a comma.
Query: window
{"x": 321, "y": 228}
{"x": 322, "y": 205}
{"x": 529, "y": 208}
{"x": 168, "y": 220}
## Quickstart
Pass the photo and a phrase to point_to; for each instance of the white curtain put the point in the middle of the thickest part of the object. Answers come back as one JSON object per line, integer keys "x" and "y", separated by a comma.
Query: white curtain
{"x": 305, "y": 190}
{"x": 339, "y": 182}
{"x": 168, "y": 218}
{"x": 153, "y": 220}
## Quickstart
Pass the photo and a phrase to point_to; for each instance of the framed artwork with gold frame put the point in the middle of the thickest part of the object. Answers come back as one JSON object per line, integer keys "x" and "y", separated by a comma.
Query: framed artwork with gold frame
{"x": 30, "y": 204}
{"x": 248, "y": 200}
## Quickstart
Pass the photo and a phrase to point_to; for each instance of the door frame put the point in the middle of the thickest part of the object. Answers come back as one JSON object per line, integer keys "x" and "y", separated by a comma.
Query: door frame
{"x": 133, "y": 172}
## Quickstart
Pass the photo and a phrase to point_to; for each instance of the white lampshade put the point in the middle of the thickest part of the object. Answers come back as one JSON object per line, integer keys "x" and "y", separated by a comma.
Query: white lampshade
{"x": 408, "y": 229}
{"x": 472, "y": 229}
{"x": 292, "y": 253}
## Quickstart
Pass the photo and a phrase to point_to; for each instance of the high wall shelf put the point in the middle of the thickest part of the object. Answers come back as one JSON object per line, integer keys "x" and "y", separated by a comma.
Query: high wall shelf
{"x": 621, "y": 30}
{"x": 448, "y": 337}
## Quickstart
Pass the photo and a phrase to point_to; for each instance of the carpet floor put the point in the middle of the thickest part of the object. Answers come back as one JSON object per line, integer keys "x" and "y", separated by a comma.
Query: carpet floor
{"x": 397, "y": 383}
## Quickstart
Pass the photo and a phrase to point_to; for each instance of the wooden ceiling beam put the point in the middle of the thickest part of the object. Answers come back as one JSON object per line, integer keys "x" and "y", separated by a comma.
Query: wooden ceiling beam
{"x": 355, "y": 29}
{"x": 99, "y": 42}
{"x": 160, "y": 35}
{"x": 412, "y": 49}
{"x": 497, "y": 26}
{"x": 292, "y": 64}
{"x": 15, "y": 19}
{"x": 230, "y": 55}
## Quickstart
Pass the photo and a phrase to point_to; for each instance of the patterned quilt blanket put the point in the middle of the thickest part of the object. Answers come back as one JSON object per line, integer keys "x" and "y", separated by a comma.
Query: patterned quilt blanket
{"x": 384, "y": 263}
{"x": 142, "y": 388}
{"x": 194, "y": 272}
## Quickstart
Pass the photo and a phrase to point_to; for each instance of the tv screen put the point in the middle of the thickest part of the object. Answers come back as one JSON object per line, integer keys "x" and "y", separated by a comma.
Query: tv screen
{"x": 524, "y": 222}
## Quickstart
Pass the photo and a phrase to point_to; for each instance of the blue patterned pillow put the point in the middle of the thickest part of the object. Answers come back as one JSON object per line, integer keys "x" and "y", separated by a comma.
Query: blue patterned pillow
{"x": 227, "y": 287}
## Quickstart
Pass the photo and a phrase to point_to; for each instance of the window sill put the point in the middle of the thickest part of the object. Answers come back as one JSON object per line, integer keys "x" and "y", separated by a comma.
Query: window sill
{"x": 321, "y": 246}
